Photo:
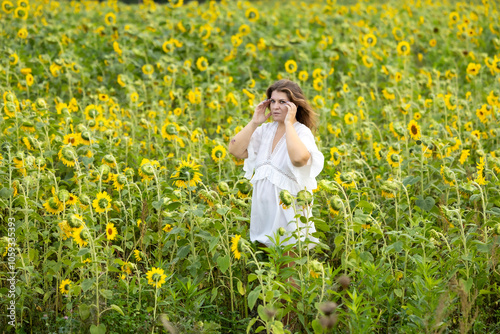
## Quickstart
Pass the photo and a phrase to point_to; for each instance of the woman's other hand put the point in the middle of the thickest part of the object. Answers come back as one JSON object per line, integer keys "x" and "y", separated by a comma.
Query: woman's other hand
{"x": 259, "y": 116}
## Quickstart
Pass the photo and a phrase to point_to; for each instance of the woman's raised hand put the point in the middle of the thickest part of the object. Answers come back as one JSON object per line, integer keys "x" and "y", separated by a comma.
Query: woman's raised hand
{"x": 259, "y": 115}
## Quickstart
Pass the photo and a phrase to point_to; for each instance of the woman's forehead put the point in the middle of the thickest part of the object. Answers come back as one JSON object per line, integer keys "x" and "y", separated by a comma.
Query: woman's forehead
{"x": 278, "y": 95}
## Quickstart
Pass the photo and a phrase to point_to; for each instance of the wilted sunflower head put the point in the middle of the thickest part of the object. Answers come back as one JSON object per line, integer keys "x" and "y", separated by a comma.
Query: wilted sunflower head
{"x": 223, "y": 187}
{"x": 336, "y": 203}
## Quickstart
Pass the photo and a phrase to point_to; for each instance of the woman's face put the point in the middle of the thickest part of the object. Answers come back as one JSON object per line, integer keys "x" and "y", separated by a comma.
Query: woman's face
{"x": 278, "y": 106}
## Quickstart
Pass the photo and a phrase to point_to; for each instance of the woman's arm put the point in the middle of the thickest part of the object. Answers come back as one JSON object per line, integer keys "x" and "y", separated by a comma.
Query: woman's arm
{"x": 297, "y": 151}
{"x": 239, "y": 143}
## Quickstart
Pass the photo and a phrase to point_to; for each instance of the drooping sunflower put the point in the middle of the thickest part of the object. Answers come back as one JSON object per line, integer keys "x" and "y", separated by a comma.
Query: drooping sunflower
{"x": 119, "y": 181}
{"x": 463, "y": 156}
{"x": 137, "y": 255}
{"x": 148, "y": 69}
{"x": 235, "y": 246}
{"x": 147, "y": 169}
{"x": 186, "y": 174}
{"x": 414, "y": 130}
{"x": 202, "y": 64}
{"x": 218, "y": 153}
{"x": 170, "y": 130}
{"x": 156, "y": 277}
{"x": 111, "y": 231}
{"x": 336, "y": 155}
{"x": 345, "y": 179}
{"x": 102, "y": 203}
{"x": 65, "y": 286}
{"x": 393, "y": 158}
{"x": 350, "y": 118}
{"x": 448, "y": 175}
{"x": 53, "y": 206}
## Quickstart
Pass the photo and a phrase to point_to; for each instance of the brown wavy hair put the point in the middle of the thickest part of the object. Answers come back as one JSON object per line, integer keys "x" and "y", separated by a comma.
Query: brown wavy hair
{"x": 305, "y": 113}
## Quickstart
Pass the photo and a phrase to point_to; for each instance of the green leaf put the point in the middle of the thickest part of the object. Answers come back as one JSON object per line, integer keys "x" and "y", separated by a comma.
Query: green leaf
{"x": 84, "y": 311}
{"x": 250, "y": 324}
{"x": 365, "y": 205}
{"x": 117, "y": 309}
{"x": 6, "y": 192}
{"x": 318, "y": 329}
{"x": 425, "y": 204}
{"x": 83, "y": 251}
{"x": 157, "y": 204}
{"x": 108, "y": 294}
{"x": 87, "y": 284}
{"x": 183, "y": 251}
{"x": 223, "y": 262}
{"x": 101, "y": 329}
{"x": 241, "y": 288}
{"x": 253, "y": 296}
{"x": 172, "y": 206}
{"x": 398, "y": 292}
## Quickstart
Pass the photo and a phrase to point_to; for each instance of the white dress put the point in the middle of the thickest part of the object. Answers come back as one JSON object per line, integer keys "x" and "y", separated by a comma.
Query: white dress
{"x": 274, "y": 172}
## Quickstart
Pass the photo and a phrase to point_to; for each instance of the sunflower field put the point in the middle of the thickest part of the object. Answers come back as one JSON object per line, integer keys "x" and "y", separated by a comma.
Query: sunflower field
{"x": 121, "y": 210}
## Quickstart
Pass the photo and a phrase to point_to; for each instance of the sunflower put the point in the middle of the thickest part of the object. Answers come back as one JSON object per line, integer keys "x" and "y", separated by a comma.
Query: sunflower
{"x": 432, "y": 43}
{"x": 72, "y": 139}
{"x": 111, "y": 231}
{"x": 369, "y": 40}
{"x": 65, "y": 286}
{"x": 252, "y": 14}
{"x": 336, "y": 155}
{"x": 22, "y": 33}
{"x": 186, "y": 174}
{"x": 30, "y": 80}
{"x": 7, "y": 6}
{"x": 350, "y": 118}
{"x": 303, "y": 75}
{"x": 290, "y": 66}
{"x": 367, "y": 61}
{"x": 202, "y": 64}
{"x": 473, "y": 69}
{"x": 414, "y": 130}
{"x": 403, "y": 48}
{"x": 102, "y": 203}
{"x": 53, "y": 206}
{"x": 218, "y": 153}
{"x": 72, "y": 199}
{"x": 393, "y": 158}
{"x": 167, "y": 228}
{"x": 388, "y": 94}
{"x": 156, "y": 277}
{"x": 318, "y": 84}
{"x": 235, "y": 246}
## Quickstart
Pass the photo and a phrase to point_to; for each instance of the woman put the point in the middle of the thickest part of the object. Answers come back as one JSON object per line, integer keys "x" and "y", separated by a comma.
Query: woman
{"x": 284, "y": 155}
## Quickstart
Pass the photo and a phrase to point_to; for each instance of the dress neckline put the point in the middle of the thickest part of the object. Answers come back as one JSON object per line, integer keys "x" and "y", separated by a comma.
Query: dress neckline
{"x": 271, "y": 151}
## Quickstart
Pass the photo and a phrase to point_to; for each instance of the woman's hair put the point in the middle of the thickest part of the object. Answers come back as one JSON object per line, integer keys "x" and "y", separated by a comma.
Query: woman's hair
{"x": 305, "y": 113}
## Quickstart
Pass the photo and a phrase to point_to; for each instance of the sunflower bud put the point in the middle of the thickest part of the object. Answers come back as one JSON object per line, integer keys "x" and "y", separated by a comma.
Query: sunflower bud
{"x": 281, "y": 231}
